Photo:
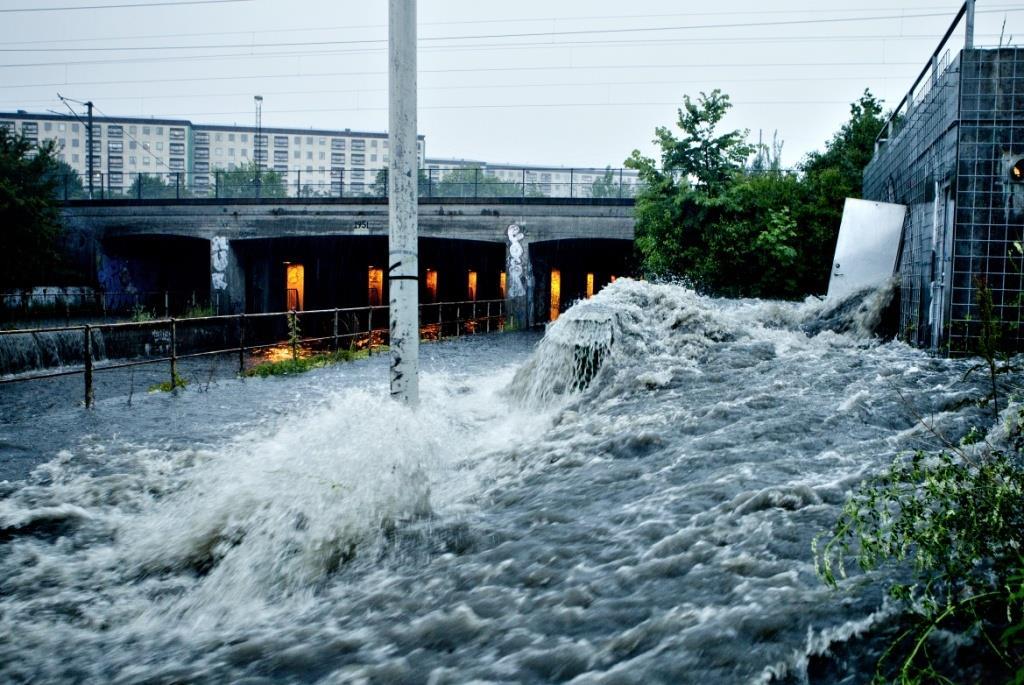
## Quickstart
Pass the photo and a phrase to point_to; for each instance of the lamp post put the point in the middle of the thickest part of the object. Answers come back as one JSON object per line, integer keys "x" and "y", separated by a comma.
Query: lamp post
{"x": 258, "y": 99}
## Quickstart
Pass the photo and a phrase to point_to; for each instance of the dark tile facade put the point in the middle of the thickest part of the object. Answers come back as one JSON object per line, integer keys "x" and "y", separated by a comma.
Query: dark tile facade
{"x": 948, "y": 160}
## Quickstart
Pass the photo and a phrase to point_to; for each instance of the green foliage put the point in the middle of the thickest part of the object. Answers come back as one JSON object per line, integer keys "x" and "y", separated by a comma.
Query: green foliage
{"x": 29, "y": 219}
{"x": 197, "y": 311}
{"x": 960, "y": 524}
{"x": 249, "y": 180}
{"x": 607, "y": 185}
{"x": 153, "y": 186}
{"x": 475, "y": 182}
{"x": 303, "y": 364}
{"x": 738, "y": 231}
{"x": 294, "y": 334}
{"x": 380, "y": 183}
{"x": 66, "y": 180}
{"x": 140, "y": 314}
{"x": 175, "y": 383}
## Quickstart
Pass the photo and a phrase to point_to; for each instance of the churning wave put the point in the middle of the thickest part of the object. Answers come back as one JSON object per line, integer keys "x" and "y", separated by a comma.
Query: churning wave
{"x": 632, "y": 502}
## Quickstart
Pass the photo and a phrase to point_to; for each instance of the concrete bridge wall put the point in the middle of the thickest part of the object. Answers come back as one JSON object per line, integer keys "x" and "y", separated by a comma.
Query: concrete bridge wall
{"x": 247, "y": 240}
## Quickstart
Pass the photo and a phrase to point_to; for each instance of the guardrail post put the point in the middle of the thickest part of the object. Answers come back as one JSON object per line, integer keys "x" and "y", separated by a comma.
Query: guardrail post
{"x": 241, "y": 344}
{"x": 476, "y": 181}
{"x": 524, "y": 182}
{"x": 488, "y": 316}
{"x": 620, "y": 183}
{"x": 216, "y": 184}
{"x": 335, "y": 329}
{"x": 298, "y": 182}
{"x": 570, "y": 182}
{"x": 293, "y": 333}
{"x": 177, "y": 186}
{"x": 174, "y": 354}
{"x": 369, "y": 331}
{"x": 88, "y": 367}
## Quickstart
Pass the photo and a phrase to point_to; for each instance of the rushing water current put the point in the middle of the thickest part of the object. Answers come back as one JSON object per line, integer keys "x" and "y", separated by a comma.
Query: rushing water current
{"x": 630, "y": 499}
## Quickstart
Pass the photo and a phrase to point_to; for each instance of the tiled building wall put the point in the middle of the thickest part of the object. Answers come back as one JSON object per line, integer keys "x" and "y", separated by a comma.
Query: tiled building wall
{"x": 989, "y": 203}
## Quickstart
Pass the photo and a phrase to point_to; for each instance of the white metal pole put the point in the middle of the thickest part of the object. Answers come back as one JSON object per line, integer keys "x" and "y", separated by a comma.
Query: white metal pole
{"x": 969, "y": 28}
{"x": 403, "y": 259}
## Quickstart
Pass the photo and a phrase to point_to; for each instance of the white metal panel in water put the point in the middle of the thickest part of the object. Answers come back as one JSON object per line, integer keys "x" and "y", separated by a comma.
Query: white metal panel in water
{"x": 869, "y": 239}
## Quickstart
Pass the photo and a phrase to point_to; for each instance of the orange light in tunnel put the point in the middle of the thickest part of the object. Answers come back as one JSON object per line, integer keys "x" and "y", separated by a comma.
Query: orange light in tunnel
{"x": 503, "y": 284}
{"x": 295, "y": 283}
{"x": 612, "y": 279}
{"x": 432, "y": 284}
{"x": 556, "y": 294}
{"x": 590, "y": 285}
{"x": 375, "y": 284}
{"x": 471, "y": 286}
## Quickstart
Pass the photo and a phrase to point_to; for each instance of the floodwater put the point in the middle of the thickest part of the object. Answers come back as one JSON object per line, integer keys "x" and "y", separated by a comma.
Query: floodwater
{"x": 630, "y": 499}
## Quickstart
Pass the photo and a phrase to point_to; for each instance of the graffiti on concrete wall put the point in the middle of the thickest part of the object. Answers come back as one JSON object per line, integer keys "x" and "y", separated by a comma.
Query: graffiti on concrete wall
{"x": 516, "y": 282}
{"x": 219, "y": 262}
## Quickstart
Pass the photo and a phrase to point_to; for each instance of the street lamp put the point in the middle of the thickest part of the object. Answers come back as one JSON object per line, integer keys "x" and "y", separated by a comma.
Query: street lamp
{"x": 259, "y": 139}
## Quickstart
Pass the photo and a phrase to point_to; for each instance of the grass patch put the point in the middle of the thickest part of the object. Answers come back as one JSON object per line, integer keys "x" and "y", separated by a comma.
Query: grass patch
{"x": 167, "y": 386}
{"x": 302, "y": 364}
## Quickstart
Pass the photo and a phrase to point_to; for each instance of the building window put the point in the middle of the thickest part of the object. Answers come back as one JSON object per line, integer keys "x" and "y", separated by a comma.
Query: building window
{"x": 337, "y": 158}
{"x": 245, "y": 137}
{"x": 280, "y": 156}
{"x": 323, "y": 155}
{"x": 74, "y": 158}
{"x": 29, "y": 128}
{"x": 159, "y": 130}
{"x": 176, "y": 164}
{"x": 231, "y": 152}
{"x": 297, "y": 154}
{"x": 47, "y": 126}
{"x": 145, "y": 130}
{"x": 359, "y": 144}
{"x": 132, "y": 129}
{"x": 358, "y": 159}
{"x": 337, "y": 143}
{"x": 218, "y": 136}
{"x": 74, "y": 128}
{"x": 309, "y": 140}
{"x": 115, "y": 132}
{"x": 159, "y": 145}
{"x": 309, "y": 154}
{"x": 176, "y": 148}
{"x": 74, "y": 142}
{"x": 115, "y": 162}
{"x": 131, "y": 161}
{"x": 280, "y": 141}
{"x": 297, "y": 140}
{"x": 115, "y": 146}
{"x": 231, "y": 137}
{"x": 62, "y": 127}
{"x": 201, "y": 138}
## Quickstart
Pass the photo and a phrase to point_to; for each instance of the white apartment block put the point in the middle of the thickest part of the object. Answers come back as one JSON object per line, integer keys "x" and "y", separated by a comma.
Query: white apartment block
{"x": 549, "y": 181}
{"x": 326, "y": 162}
{"x": 319, "y": 161}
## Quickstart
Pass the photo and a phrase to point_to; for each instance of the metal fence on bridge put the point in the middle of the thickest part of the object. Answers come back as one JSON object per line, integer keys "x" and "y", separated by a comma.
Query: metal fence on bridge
{"x": 439, "y": 182}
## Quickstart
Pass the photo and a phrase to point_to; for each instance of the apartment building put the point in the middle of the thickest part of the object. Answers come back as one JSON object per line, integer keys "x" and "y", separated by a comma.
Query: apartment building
{"x": 549, "y": 181}
{"x": 311, "y": 161}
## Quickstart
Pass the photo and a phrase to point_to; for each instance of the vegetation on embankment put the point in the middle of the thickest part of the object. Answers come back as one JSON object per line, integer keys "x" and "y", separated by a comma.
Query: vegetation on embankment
{"x": 955, "y": 519}
{"x": 722, "y": 214}
{"x": 301, "y": 364}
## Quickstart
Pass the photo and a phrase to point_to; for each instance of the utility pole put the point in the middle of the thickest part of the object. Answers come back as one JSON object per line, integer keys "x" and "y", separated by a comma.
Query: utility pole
{"x": 258, "y": 99}
{"x": 89, "y": 139}
{"x": 403, "y": 257}
{"x": 969, "y": 25}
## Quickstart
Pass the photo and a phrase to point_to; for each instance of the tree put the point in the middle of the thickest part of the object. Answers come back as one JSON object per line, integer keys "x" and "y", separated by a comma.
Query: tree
{"x": 735, "y": 230}
{"x": 606, "y": 185}
{"x": 249, "y": 180}
{"x": 29, "y": 217}
{"x": 380, "y": 183}
{"x": 474, "y": 182}
{"x": 150, "y": 186}
{"x": 66, "y": 180}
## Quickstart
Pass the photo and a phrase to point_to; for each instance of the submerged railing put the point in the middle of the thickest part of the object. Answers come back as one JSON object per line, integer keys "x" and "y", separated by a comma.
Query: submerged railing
{"x": 169, "y": 340}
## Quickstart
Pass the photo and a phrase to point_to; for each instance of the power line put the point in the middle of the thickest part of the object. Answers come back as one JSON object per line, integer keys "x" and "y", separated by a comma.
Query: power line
{"x": 507, "y": 20}
{"x": 127, "y": 132}
{"x": 530, "y": 34}
{"x": 583, "y": 67}
{"x": 119, "y": 6}
{"x": 504, "y": 86}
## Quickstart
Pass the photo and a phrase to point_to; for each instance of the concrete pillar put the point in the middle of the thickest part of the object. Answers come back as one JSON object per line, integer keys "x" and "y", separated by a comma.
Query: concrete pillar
{"x": 403, "y": 256}
{"x": 227, "y": 278}
{"x": 519, "y": 278}
{"x": 969, "y": 25}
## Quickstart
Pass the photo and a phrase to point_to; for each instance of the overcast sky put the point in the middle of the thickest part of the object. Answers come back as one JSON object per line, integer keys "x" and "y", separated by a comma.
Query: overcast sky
{"x": 573, "y": 82}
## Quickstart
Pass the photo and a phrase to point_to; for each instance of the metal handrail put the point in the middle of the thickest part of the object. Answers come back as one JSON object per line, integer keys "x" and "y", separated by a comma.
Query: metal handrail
{"x": 90, "y": 366}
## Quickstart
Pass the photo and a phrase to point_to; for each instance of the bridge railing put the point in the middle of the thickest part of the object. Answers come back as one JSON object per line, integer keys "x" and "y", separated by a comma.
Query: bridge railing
{"x": 322, "y": 182}
{"x": 245, "y": 339}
